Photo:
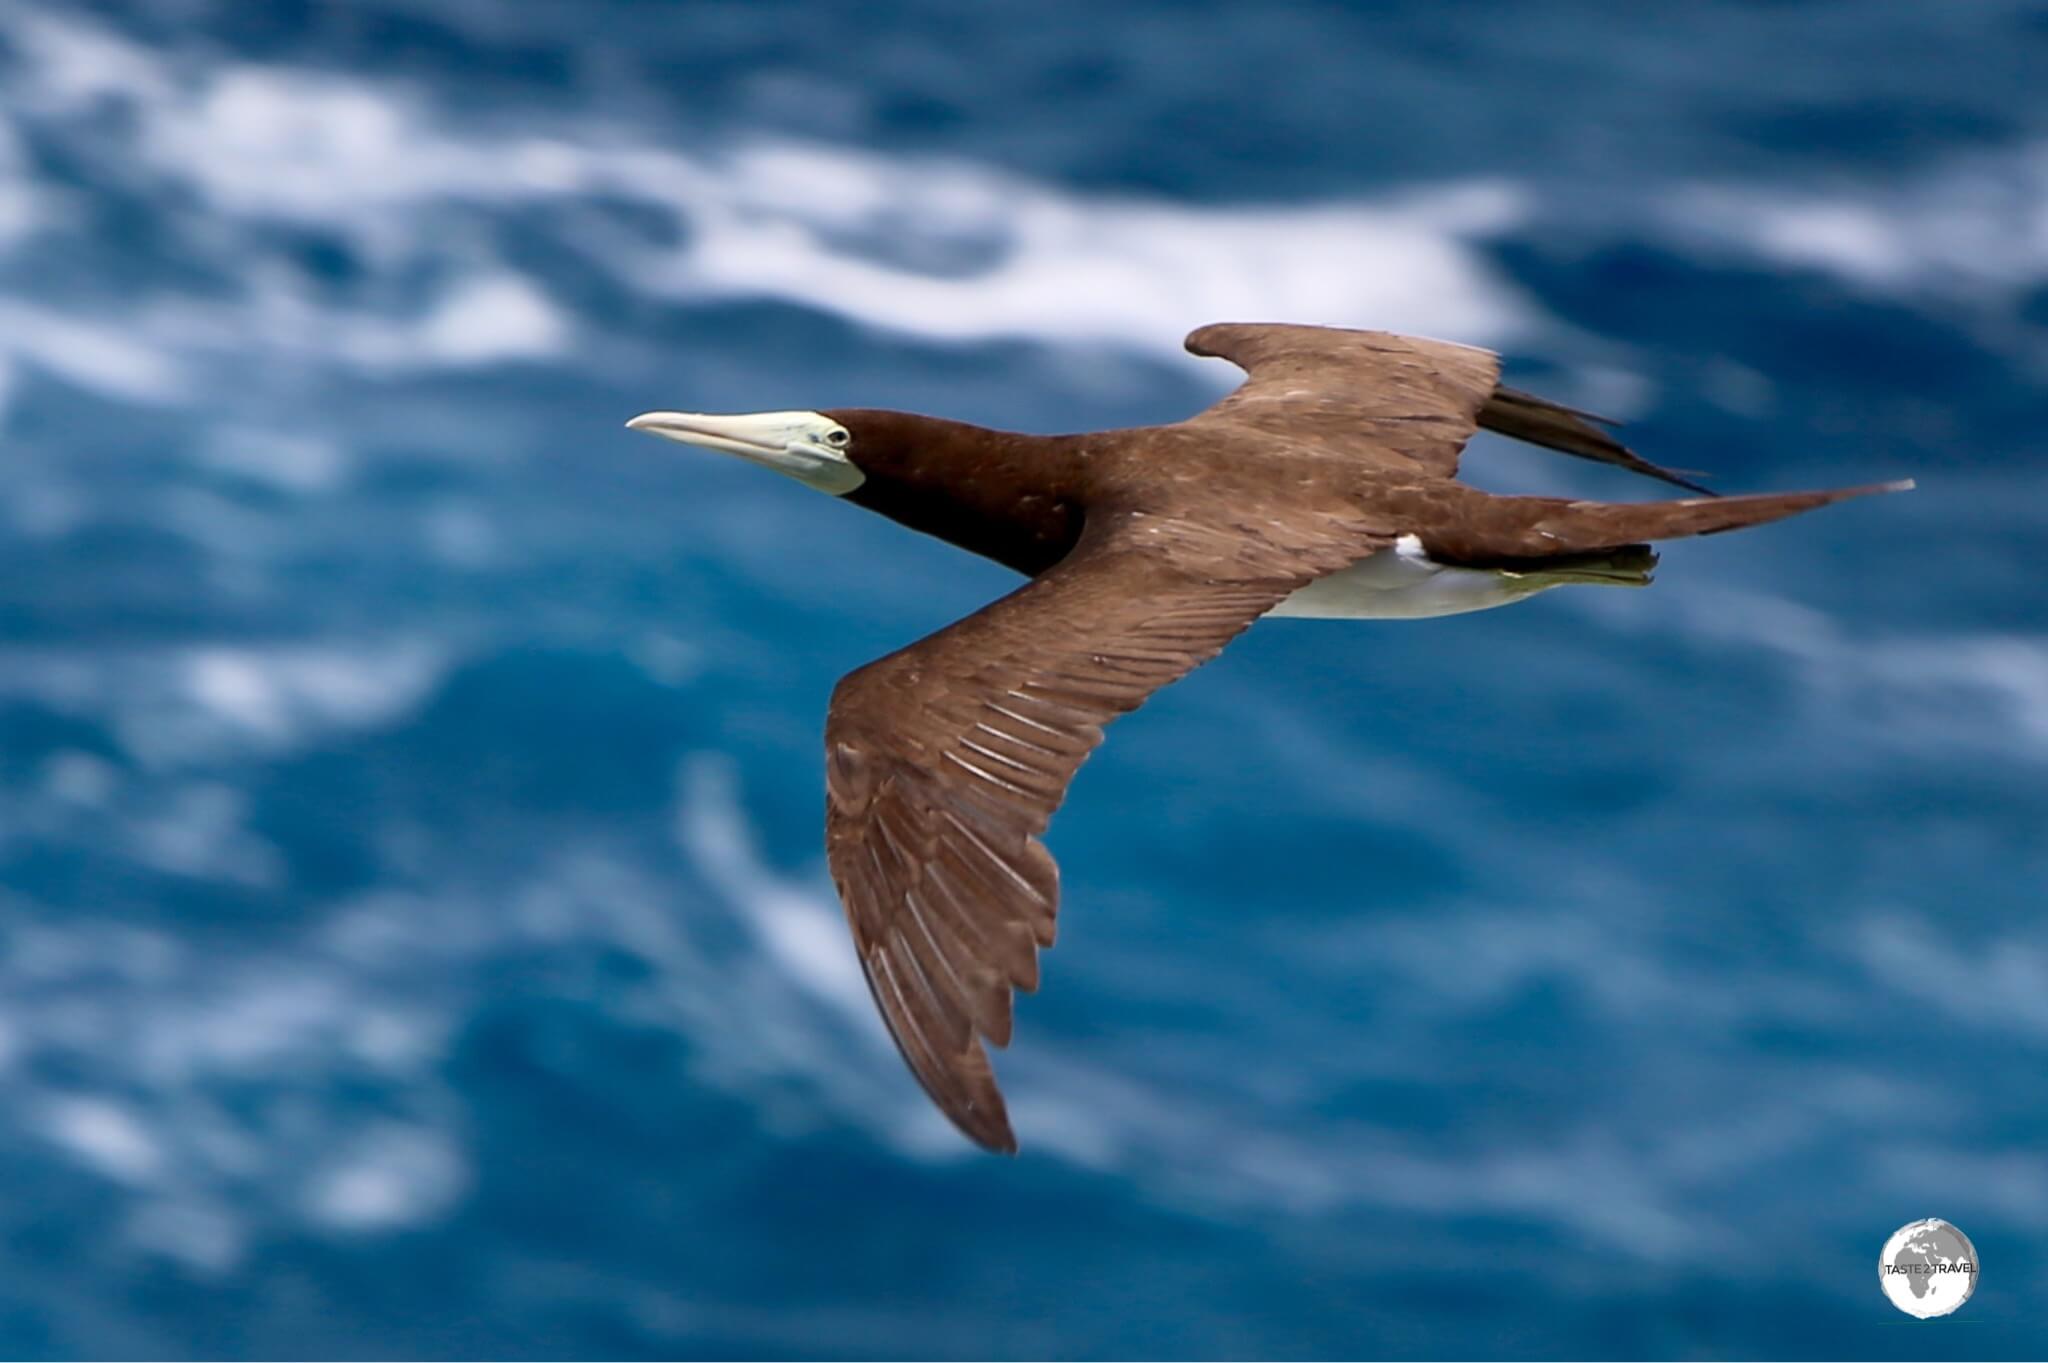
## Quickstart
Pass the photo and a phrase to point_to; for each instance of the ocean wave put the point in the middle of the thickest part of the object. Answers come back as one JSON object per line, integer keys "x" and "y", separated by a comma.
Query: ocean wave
{"x": 2000, "y": 987}
{"x": 776, "y": 1017}
{"x": 325, "y": 886}
{"x": 855, "y": 233}
{"x": 188, "y": 704}
{"x": 944, "y": 251}
{"x": 1929, "y": 692}
{"x": 1227, "y": 1147}
{"x": 1967, "y": 236}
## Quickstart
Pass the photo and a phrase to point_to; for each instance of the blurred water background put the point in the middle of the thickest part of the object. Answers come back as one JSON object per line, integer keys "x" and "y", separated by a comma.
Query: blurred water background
{"x": 414, "y": 938}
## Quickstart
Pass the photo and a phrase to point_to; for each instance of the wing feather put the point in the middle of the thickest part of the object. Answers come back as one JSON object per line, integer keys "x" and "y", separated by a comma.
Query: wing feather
{"x": 946, "y": 760}
{"x": 1408, "y": 402}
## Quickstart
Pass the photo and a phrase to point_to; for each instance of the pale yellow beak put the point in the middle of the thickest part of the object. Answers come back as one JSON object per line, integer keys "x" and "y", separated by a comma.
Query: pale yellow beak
{"x": 806, "y": 446}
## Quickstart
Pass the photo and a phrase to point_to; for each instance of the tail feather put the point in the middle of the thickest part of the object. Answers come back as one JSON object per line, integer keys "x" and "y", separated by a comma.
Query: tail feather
{"x": 1524, "y": 416}
{"x": 1498, "y": 530}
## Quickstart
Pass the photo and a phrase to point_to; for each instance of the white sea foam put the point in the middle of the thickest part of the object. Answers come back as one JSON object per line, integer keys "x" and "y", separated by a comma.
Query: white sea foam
{"x": 95, "y": 354}
{"x": 845, "y": 231}
{"x": 777, "y": 1015}
{"x": 21, "y": 205}
{"x": 1224, "y": 1147}
{"x": 1975, "y": 226}
{"x": 106, "y": 1135}
{"x": 488, "y": 316}
{"x": 70, "y": 66}
{"x": 1066, "y": 268}
{"x": 804, "y": 935}
{"x": 1927, "y": 691}
{"x": 488, "y": 319}
{"x": 945, "y": 251}
{"x": 171, "y": 1031}
{"x": 283, "y": 693}
{"x": 296, "y": 461}
{"x": 179, "y": 705}
{"x": 390, "y": 1176}
{"x": 2001, "y": 986}
{"x": 775, "y": 1011}
{"x": 199, "y": 829}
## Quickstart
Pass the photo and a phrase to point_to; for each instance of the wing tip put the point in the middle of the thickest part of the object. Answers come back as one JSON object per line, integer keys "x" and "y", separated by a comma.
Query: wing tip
{"x": 1675, "y": 480}
{"x": 1196, "y": 341}
{"x": 989, "y": 1129}
{"x": 1873, "y": 489}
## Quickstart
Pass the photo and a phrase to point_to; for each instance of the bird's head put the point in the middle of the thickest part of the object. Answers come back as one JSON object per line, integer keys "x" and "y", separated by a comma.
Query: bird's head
{"x": 811, "y": 447}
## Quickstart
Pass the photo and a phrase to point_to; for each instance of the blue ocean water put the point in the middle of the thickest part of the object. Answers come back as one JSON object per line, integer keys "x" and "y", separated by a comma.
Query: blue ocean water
{"x": 414, "y": 939}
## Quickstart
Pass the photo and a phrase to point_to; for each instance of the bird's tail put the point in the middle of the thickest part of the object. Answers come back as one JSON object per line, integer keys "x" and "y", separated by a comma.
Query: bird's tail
{"x": 1515, "y": 530}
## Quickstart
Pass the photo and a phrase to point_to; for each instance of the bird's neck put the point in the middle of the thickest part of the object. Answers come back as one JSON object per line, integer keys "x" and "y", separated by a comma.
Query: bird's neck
{"x": 1008, "y": 496}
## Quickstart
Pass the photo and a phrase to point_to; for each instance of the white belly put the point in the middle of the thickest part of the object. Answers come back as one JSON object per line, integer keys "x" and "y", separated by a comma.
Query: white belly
{"x": 1404, "y": 583}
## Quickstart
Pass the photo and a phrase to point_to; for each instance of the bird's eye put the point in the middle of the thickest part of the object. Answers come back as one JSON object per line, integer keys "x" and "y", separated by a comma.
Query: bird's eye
{"x": 837, "y": 438}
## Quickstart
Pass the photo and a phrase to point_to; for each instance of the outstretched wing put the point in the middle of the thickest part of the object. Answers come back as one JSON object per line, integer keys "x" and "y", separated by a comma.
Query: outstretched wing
{"x": 1408, "y": 402}
{"x": 946, "y": 760}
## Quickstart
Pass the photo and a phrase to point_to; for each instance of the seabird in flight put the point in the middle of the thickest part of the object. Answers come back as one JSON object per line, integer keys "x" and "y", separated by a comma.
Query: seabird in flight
{"x": 1323, "y": 486}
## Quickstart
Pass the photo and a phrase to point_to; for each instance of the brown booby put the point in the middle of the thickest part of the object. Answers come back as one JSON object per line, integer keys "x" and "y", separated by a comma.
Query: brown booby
{"x": 1324, "y": 486}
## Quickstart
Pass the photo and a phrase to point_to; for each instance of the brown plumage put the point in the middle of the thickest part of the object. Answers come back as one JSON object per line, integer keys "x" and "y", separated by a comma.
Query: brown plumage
{"x": 1148, "y": 551}
{"x": 1524, "y": 416}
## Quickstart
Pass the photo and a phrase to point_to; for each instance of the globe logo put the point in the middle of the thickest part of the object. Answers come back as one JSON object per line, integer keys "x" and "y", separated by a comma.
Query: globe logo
{"x": 1928, "y": 1268}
